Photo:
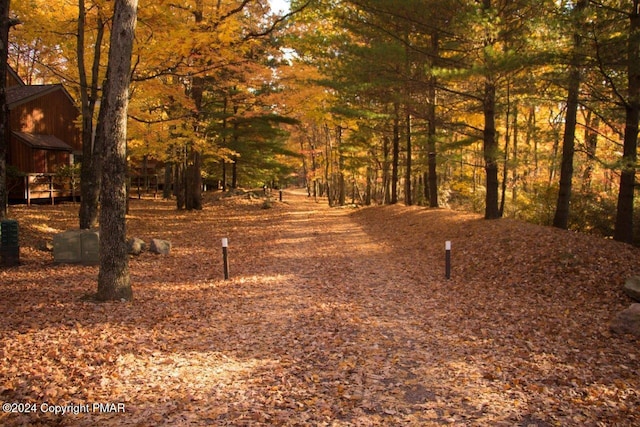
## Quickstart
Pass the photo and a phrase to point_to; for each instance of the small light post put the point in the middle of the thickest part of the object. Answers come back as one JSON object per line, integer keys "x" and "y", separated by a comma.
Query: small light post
{"x": 225, "y": 257}
{"x": 447, "y": 259}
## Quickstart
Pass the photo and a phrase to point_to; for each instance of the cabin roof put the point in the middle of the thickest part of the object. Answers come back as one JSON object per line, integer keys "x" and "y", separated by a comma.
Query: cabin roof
{"x": 43, "y": 142}
{"x": 18, "y": 95}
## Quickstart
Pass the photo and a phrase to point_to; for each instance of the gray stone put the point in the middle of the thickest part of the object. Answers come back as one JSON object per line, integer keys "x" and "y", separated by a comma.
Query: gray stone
{"x": 77, "y": 247}
{"x": 627, "y": 321}
{"x": 159, "y": 246}
{"x": 66, "y": 247}
{"x": 632, "y": 287}
{"x": 136, "y": 246}
{"x": 90, "y": 247}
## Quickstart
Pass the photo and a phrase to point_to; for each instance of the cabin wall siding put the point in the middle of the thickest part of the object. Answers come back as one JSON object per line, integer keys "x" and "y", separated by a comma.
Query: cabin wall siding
{"x": 51, "y": 114}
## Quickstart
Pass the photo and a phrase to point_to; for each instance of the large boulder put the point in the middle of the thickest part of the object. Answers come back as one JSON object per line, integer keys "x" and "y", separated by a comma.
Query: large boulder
{"x": 159, "y": 246}
{"x": 627, "y": 321}
{"x": 136, "y": 246}
{"x": 632, "y": 287}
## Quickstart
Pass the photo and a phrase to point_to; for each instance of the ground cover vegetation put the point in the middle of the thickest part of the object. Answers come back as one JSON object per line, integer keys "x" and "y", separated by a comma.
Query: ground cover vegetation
{"x": 330, "y": 317}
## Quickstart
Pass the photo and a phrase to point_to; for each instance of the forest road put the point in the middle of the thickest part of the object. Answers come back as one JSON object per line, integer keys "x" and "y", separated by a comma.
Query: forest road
{"x": 360, "y": 307}
{"x": 362, "y": 317}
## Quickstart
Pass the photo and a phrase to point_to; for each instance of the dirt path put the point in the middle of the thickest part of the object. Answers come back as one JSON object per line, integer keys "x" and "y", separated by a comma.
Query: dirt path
{"x": 331, "y": 317}
{"x": 348, "y": 322}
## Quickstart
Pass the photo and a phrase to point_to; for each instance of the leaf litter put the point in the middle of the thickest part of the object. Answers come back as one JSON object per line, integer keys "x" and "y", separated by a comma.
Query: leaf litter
{"x": 337, "y": 317}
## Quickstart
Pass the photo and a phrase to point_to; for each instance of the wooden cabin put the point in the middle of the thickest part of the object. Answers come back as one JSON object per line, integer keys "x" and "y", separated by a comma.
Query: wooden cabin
{"x": 43, "y": 138}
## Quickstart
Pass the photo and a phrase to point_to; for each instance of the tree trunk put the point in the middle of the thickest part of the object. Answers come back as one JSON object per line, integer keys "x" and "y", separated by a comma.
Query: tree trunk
{"x": 490, "y": 145}
{"x": 514, "y": 172}
{"x": 223, "y": 165}
{"x": 91, "y": 160}
{"x": 426, "y": 191}
{"x": 386, "y": 179}
{"x": 395, "y": 163}
{"x": 490, "y": 152}
{"x": 114, "y": 282}
{"x": 166, "y": 189}
{"x": 367, "y": 189}
{"x": 505, "y": 156}
{"x": 234, "y": 173}
{"x": 529, "y": 138}
{"x": 592, "y": 122}
{"x": 407, "y": 177}
{"x": 4, "y": 108}
{"x": 342, "y": 188}
{"x": 561, "y": 218}
{"x": 196, "y": 189}
{"x": 188, "y": 179}
{"x": 624, "y": 215}
{"x": 431, "y": 180}
{"x": 328, "y": 150}
{"x": 431, "y": 184}
{"x": 179, "y": 185}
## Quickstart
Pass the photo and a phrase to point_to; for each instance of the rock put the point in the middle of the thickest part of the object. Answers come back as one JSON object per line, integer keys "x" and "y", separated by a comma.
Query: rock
{"x": 136, "y": 246}
{"x": 627, "y": 321}
{"x": 46, "y": 246}
{"x": 77, "y": 247}
{"x": 159, "y": 246}
{"x": 632, "y": 287}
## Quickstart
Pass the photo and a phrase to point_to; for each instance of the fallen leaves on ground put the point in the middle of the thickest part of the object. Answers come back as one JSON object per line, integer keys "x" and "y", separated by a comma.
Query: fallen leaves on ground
{"x": 337, "y": 317}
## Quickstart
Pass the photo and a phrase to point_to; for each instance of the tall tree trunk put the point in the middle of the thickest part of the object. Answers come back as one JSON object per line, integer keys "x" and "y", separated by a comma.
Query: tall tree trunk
{"x": 342, "y": 189}
{"x": 396, "y": 155}
{"x": 624, "y": 215}
{"x": 554, "y": 156}
{"x": 166, "y": 188}
{"x": 90, "y": 172}
{"x": 234, "y": 159}
{"x": 490, "y": 151}
{"x": 592, "y": 122}
{"x": 407, "y": 177}
{"x": 114, "y": 282}
{"x": 386, "y": 178}
{"x": 179, "y": 184}
{"x": 490, "y": 145}
{"x": 431, "y": 189}
{"x": 505, "y": 156}
{"x": 368, "y": 187}
{"x": 561, "y": 218}
{"x": 514, "y": 172}
{"x": 531, "y": 136}
{"x": 223, "y": 165}
{"x": 194, "y": 162}
{"x": 328, "y": 149}
{"x": 234, "y": 172}
{"x": 4, "y": 108}
{"x": 305, "y": 169}
{"x": 188, "y": 179}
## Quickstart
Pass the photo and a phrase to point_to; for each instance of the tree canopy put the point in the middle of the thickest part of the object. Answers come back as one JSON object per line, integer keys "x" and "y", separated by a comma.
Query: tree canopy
{"x": 443, "y": 103}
